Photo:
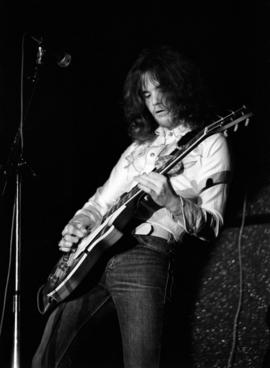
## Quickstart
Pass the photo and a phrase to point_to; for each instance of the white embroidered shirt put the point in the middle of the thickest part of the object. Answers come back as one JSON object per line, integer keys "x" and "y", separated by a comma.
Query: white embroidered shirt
{"x": 202, "y": 183}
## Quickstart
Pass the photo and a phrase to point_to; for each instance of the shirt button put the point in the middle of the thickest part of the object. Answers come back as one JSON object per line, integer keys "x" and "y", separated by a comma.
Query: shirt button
{"x": 152, "y": 154}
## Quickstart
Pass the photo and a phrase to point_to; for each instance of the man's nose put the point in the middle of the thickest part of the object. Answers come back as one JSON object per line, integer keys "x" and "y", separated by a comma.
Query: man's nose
{"x": 156, "y": 100}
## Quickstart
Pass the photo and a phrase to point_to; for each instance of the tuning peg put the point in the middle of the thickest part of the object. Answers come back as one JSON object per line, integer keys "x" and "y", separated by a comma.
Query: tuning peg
{"x": 235, "y": 128}
{"x": 247, "y": 122}
{"x": 225, "y": 133}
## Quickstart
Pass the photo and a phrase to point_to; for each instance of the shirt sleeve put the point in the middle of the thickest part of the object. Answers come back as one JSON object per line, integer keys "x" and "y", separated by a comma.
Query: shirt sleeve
{"x": 107, "y": 195}
{"x": 204, "y": 216}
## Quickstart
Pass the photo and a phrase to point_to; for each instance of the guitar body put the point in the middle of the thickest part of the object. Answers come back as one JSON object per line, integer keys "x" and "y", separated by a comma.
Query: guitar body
{"x": 72, "y": 267}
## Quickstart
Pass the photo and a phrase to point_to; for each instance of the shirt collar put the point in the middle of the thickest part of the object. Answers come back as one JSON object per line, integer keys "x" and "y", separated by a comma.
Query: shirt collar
{"x": 177, "y": 132}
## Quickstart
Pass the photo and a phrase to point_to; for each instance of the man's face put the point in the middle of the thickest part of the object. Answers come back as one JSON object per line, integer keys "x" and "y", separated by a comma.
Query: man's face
{"x": 155, "y": 102}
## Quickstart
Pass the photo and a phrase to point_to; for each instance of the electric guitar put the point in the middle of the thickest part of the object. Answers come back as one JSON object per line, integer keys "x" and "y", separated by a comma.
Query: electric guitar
{"x": 73, "y": 267}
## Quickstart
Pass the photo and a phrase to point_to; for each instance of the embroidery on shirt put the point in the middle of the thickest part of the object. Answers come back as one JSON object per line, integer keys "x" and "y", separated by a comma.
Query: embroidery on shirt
{"x": 141, "y": 152}
{"x": 176, "y": 170}
{"x": 135, "y": 155}
{"x": 138, "y": 158}
{"x": 189, "y": 164}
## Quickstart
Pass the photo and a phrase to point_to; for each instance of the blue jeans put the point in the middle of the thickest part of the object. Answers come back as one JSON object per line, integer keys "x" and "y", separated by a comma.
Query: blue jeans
{"x": 137, "y": 282}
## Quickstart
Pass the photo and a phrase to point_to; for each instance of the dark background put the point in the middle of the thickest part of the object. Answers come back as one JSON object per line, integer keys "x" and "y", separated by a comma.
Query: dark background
{"x": 74, "y": 129}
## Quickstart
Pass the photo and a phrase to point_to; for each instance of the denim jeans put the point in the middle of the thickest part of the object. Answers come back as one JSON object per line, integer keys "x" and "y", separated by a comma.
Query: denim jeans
{"x": 137, "y": 282}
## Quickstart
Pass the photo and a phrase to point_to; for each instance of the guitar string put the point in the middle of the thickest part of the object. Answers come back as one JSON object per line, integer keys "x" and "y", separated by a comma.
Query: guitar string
{"x": 179, "y": 154}
{"x": 174, "y": 160}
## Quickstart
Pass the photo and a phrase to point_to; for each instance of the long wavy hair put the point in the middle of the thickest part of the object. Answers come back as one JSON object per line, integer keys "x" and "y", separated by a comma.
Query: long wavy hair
{"x": 181, "y": 84}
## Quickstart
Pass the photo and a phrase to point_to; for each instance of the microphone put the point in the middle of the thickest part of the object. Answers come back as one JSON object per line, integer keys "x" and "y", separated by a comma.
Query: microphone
{"x": 47, "y": 53}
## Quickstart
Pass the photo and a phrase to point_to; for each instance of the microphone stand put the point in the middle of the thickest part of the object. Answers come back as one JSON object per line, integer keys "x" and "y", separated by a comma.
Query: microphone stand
{"x": 17, "y": 285}
{"x": 14, "y": 167}
{"x": 16, "y": 224}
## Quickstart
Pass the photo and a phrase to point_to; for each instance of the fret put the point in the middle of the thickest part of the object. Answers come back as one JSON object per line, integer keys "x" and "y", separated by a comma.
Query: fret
{"x": 220, "y": 125}
{"x": 68, "y": 272}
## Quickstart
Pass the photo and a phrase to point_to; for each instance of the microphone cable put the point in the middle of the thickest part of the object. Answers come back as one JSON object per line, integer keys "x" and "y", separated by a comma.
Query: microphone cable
{"x": 240, "y": 297}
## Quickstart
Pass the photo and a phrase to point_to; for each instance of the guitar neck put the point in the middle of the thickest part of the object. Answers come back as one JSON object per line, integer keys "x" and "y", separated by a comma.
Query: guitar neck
{"x": 185, "y": 145}
{"x": 177, "y": 155}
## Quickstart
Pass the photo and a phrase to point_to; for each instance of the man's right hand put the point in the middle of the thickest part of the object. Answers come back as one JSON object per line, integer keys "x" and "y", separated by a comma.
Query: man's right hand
{"x": 77, "y": 228}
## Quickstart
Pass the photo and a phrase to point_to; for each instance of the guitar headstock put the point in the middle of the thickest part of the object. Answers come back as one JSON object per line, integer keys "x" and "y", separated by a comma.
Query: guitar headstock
{"x": 230, "y": 121}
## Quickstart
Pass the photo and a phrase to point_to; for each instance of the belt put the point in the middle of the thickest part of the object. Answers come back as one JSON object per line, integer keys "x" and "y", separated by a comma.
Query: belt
{"x": 153, "y": 230}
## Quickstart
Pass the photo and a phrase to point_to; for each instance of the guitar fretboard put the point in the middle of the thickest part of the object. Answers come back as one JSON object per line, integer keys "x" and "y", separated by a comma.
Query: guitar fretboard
{"x": 185, "y": 145}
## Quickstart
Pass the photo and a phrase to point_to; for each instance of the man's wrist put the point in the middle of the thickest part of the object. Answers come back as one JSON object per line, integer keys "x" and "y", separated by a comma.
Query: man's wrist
{"x": 175, "y": 205}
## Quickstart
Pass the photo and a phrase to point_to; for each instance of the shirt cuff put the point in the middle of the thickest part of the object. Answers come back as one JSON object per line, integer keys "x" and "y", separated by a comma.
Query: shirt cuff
{"x": 92, "y": 213}
{"x": 195, "y": 220}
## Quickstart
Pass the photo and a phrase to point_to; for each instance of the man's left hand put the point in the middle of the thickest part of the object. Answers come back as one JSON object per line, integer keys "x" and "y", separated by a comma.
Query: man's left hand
{"x": 159, "y": 188}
